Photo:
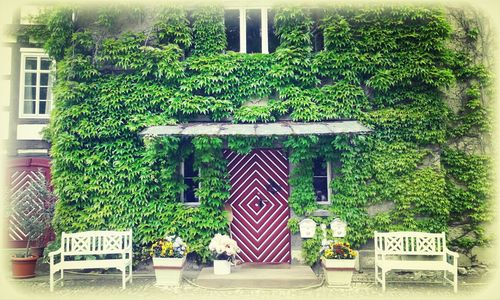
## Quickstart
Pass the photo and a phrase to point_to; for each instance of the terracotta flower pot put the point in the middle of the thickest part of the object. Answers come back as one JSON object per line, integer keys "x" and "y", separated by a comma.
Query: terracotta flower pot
{"x": 23, "y": 267}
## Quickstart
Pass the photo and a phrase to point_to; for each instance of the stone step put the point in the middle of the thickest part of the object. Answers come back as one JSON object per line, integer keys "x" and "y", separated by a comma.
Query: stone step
{"x": 260, "y": 276}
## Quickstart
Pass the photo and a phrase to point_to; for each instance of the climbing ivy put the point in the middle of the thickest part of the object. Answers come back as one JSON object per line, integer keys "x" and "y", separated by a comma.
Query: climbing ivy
{"x": 387, "y": 66}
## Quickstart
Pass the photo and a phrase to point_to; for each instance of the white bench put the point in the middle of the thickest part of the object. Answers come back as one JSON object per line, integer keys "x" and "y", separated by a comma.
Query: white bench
{"x": 93, "y": 243}
{"x": 413, "y": 251}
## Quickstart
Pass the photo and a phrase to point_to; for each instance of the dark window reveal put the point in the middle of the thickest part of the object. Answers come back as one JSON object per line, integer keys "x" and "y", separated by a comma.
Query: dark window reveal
{"x": 232, "y": 22}
{"x": 317, "y": 31}
{"x": 320, "y": 180}
{"x": 254, "y": 40}
{"x": 273, "y": 38}
{"x": 190, "y": 173}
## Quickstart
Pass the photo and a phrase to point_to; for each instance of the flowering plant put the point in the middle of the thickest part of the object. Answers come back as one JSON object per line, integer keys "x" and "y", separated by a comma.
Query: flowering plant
{"x": 170, "y": 246}
{"x": 338, "y": 250}
{"x": 223, "y": 247}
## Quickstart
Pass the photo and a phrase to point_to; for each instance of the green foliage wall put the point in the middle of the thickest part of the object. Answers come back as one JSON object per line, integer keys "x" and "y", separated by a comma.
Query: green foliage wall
{"x": 386, "y": 66}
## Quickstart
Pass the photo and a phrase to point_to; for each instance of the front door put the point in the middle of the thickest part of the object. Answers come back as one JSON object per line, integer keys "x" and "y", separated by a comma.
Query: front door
{"x": 259, "y": 201}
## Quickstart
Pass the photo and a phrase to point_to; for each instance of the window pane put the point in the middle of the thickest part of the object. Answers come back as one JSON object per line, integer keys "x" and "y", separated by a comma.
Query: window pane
{"x": 232, "y": 23}
{"x": 43, "y": 107}
{"x": 30, "y": 79}
{"x": 317, "y": 32}
{"x": 43, "y": 93}
{"x": 253, "y": 31}
{"x": 319, "y": 167}
{"x": 45, "y": 64}
{"x": 44, "y": 79}
{"x": 30, "y": 93}
{"x": 321, "y": 189}
{"x": 189, "y": 170}
{"x": 189, "y": 192}
{"x": 29, "y": 107}
{"x": 273, "y": 39}
{"x": 30, "y": 63}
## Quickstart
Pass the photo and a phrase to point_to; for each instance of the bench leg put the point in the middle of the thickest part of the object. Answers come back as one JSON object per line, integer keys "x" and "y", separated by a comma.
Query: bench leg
{"x": 455, "y": 281}
{"x": 123, "y": 277}
{"x": 376, "y": 275}
{"x": 62, "y": 277}
{"x": 444, "y": 278}
{"x": 383, "y": 280}
{"x": 51, "y": 281}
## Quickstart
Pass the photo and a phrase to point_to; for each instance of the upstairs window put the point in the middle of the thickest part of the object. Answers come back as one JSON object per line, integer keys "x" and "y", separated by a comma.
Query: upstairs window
{"x": 190, "y": 174}
{"x": 248, "y": 30}
{"x": 232, "y": 23}
{"x": 321, "y": 180}
{"x": 254, "y": 37}
{"x": 35, "y": 84}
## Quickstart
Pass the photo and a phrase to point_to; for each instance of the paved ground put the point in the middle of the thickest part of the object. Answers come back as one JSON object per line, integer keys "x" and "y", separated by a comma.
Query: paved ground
{"x": 420, "y": 285}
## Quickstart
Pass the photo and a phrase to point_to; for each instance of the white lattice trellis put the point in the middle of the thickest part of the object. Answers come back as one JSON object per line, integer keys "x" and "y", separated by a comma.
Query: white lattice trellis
{"x": 24, "y": 183}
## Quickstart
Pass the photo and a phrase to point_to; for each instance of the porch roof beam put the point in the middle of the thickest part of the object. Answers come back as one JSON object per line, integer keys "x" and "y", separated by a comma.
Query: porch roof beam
{"x": 260, "y": 129}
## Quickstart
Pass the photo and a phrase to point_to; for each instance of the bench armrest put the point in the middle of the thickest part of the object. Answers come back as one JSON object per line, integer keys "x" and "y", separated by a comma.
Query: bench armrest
{"x": 53, "y": 253}
{"x": 451, "y": 253}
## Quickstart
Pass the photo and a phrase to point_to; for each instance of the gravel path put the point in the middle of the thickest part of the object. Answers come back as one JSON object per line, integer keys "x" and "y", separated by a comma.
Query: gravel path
{"x": 419, "y": 285}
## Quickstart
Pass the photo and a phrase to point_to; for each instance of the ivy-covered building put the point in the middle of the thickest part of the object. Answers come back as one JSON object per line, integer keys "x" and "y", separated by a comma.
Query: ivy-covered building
{"x": 246, "y": 119}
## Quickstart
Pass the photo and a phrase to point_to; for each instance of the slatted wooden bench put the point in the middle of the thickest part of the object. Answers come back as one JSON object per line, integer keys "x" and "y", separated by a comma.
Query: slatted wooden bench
{"x": 93, "y": 243}
{"x": 414, "y": 251}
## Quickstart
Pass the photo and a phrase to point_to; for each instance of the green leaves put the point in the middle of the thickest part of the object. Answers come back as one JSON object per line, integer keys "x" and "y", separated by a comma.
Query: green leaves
{"x": 386, "y": 66}
{"x": 209, "y": 31}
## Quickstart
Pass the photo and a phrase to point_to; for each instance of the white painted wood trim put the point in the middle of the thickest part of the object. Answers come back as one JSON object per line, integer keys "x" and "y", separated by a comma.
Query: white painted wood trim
{"x": 264, "y": 30}
{"x": 328, "y": 180}
{"x": 391, "y": 245}
{"x": 39, "y": 54}
{"x": 94, "y": 243}
{"x": 243, "y": 30}
{"x": 182, "y": 194}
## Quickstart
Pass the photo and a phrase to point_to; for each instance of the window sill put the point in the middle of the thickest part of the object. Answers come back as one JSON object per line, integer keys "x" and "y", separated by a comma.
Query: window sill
{"x": 192, "y": 204}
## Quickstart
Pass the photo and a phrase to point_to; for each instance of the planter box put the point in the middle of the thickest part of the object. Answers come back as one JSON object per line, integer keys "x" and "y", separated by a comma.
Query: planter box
{"x": 338, "y": 272}
{"x": 222, "y": 267}
{"x": 168, "y": 270}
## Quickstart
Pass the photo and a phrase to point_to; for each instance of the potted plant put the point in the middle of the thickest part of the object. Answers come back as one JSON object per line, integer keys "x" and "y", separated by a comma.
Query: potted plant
{"x": 34, "y": 223}
{"x": 339, "y": 262}
{"x": 169, "y": 257}
{"x": 224, "y": 250}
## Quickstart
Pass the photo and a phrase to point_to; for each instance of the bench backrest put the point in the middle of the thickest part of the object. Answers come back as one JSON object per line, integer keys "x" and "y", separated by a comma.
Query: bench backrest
{"x": 96, "y": 242}
{"x": 409, "y": 243}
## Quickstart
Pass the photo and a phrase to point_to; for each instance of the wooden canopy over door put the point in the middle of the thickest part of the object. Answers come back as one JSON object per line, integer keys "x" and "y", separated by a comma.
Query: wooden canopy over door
{"x": 259, "y": 201}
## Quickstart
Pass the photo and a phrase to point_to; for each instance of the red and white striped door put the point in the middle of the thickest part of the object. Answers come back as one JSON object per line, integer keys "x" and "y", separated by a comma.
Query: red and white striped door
{"x": 259, "y": 201}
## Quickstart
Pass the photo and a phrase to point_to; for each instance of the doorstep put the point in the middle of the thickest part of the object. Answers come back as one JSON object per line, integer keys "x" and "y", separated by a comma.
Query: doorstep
{"x": 260, "y": 276}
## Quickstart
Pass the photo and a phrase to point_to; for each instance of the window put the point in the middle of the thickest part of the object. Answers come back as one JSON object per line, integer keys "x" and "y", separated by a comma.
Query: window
{"x": 321, "y": 180}
{"x": 190, "y": 174}
{"x": 250, "y": 28}
{"x": 273, "y": 38}
{"x": 317, "y": 31}
{"x": 35, "y": 84}
{"x": 231, "y": 22}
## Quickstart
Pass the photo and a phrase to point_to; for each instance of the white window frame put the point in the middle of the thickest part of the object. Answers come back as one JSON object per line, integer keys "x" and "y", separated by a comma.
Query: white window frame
{"x": 328, "y": 188}
{"x": 264, "y": 29}
{"x": 182, "y": 194}
{"x": 39, "y": 54}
